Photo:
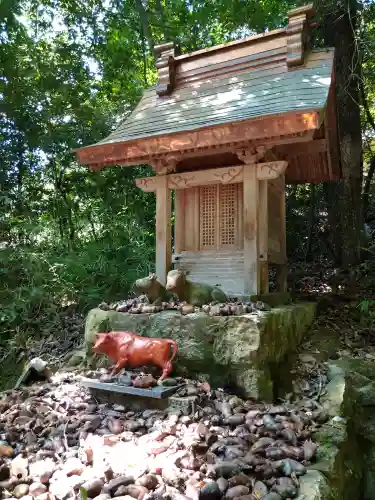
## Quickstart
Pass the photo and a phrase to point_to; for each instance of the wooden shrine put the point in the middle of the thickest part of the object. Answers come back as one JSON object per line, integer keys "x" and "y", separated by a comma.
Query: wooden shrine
{"x": 224, "y": 129}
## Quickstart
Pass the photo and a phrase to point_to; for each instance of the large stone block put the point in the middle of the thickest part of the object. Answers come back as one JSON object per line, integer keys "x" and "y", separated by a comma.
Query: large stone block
{"x": 234, "y": 349}
{"x": 346, "y": 452}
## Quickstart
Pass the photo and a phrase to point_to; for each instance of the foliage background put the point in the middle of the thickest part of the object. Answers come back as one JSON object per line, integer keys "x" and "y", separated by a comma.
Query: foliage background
{"x": 69, "y": 72}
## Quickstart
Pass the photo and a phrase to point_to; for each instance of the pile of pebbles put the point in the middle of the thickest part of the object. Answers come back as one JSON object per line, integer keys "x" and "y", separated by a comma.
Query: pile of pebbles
{"x": 141, "y": 378}
{"x": 57, "y": 441}
{"x": 141, "y": 305}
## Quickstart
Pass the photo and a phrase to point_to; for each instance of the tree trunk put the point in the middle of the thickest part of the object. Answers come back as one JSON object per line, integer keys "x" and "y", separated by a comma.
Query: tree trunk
{"x": 366, "y": 189}
{"x": 311, "y": 222}
{"x": 339, "y": 25}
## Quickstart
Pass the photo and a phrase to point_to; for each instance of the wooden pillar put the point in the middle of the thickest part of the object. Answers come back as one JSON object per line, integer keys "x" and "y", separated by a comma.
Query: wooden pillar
{"x": 250, "y": 230}
{"x": 282, "y": 269}
{"x": 163, "y": 229}
{"x": 179, "y": 220}
{"x": 263, "y": 236}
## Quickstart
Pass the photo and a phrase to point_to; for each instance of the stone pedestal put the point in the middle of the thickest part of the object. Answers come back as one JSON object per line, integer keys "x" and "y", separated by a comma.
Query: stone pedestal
{"x": 242, "y": 350}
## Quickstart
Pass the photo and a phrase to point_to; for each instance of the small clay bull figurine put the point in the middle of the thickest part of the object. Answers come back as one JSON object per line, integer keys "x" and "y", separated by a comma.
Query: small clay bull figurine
{"x": 129, "y": 349}
{"x": 153, "y": 289}
{"x": 195, "y": 294}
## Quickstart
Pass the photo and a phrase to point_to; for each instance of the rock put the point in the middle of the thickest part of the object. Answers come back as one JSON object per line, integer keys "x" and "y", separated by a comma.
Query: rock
{"x": 37, "y": 489}
{"x": 192, "y": 488}
{"x": 168, "y": 382}
{"x": 93, "y": 487}
{"x": 274, "y": 496}
{"x": 4, "y": 472}
{"x": 222, "y": 484}
{"x": 19, "y": 467}
{"x": 187, "y": 309}
{"x": 44, "y": 496}
{"x": 102, "y": 496}
{"x": 21, "y": 490}
{"x": 92, "y": 423}
{"x": 135, "y": 491}
{"x": 144, "y": 381}
{"x": 309, "y": 450}
{"x": 285, "y": 487}
{"x": 120, "y": 491}
{"x": 42, "y": 470}
{"x": 262, "y": 306}
{"x": 172, "y": 476}
{"x": 113, "y": 484}
{"x": 73, "y": 466}
{"x": 60, "y": 488}
{"x": 240, "y": 480}
{"x": 36, "y": 369}
{"x": 226, "y": 469}
{"x": 149, "y": 481}
{"x": 246, "y": 344}
{"x": 313, "y": 485}
{"x": 191, "y": 390}
{"x": 210, "y": 491}
{"x": 260, "y": 490}
{"x": 237, "y": 491}
{"x": 6, "y": 451}
{"x": 235, "y": 420}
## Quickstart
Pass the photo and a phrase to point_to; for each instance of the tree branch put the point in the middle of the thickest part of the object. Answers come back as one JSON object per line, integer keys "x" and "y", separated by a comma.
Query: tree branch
{"x": 366, "y": 189}
{"x": 144, "y": 22}
{"x": 365, "y": 105}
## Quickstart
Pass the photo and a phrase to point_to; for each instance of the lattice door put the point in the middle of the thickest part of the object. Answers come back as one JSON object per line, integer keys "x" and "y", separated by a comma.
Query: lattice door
{"x": 228, "y": 203}
{"x": 220, "y": 215}
{"x": 208, "y": 217}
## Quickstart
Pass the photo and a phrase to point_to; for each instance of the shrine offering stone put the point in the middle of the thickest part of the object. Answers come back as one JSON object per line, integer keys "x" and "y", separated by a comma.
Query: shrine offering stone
{"x": 232, "y": 349}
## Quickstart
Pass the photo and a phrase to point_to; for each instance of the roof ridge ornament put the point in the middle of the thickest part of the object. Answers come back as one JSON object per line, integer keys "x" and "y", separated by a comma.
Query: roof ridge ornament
{"x": 298, "y": 34}
{"x": 166, "y": 66}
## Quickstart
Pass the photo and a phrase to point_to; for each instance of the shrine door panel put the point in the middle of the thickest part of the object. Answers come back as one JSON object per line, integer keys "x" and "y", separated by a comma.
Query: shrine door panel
{"x": 220, "y": 217}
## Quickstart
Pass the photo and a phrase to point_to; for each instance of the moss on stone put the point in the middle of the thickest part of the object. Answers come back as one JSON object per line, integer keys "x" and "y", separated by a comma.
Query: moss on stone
{"x": 340, "y": 458}
{"x": 313, "y": 486}
{"x": 274, "y": 299}
{"x": 344, "y": 452}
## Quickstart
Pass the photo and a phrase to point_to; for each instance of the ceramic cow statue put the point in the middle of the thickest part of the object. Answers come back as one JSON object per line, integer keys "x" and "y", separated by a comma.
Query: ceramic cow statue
{"x": 153, "y": 289}
{"x": 132, "y": 350}
{"x": 191, "y": 292}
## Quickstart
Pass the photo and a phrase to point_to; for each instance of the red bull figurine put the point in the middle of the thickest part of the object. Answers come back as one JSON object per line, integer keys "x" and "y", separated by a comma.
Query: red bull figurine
{"x": 132, "y": 350}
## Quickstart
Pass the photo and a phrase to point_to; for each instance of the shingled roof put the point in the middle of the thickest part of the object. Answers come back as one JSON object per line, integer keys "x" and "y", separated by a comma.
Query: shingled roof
{"x": 217, "y": 96}
{"x": 246, "y": 94}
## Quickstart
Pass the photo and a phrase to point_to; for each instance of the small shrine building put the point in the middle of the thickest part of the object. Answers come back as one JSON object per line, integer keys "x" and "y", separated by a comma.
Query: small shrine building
{"x": 225, "y": 128}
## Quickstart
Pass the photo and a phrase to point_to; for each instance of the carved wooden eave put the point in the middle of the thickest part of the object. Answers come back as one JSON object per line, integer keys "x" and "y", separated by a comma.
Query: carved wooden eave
{"x": 226, "y": 175}
{"x": 268, "y": 130}
{"x": 166, "y": 66}
{"x": 298, "y": 35}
